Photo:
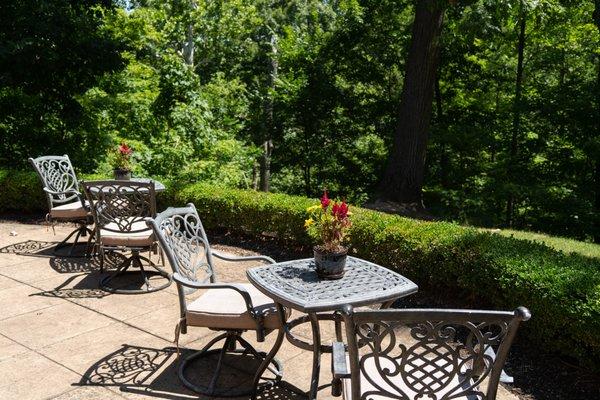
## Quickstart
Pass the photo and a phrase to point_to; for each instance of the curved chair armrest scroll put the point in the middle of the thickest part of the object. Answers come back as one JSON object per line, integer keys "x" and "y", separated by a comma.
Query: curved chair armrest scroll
{"x": 68, "y": 191}
{"x": 177, "y": 277}
{"x": 266, "y": 259}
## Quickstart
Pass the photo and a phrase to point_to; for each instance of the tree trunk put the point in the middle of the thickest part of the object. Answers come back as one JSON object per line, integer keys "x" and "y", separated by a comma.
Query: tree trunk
{"x": 516, "y": 131}
{"x": 496, "y": 119}
{"x": 188, "y": 46}
{"x": 444, "y": 159}
{"x": 269, "y": 126}
{"x": 596, "y": 17}
{"x": 403, "y": 177}
{"x": 597, "y": 198}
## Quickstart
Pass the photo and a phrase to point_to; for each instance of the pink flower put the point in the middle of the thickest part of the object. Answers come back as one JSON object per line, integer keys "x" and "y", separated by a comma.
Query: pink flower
{"x": 342, "y": 212}
{"x": 325, "y": 200}
{"x": 124, "y": 149}
{"x": 335, "y": 209}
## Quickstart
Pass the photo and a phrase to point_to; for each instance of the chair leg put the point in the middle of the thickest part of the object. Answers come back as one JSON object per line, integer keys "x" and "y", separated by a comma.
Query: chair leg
{"x": 230, "y": 339}
{"x": 81, "y": 231}
{"x": 177, "y": 333}
{"x": 101, "y": 252}
{"x": 91, "y": 245}
{"x": 266, "y": 364}
{"x": 136, "y": 261}
{"x": 64, "y": 242}
{"x": 75, "y": 242}
{"x": 226, "y": 347}
{"x": 249, "y": 349}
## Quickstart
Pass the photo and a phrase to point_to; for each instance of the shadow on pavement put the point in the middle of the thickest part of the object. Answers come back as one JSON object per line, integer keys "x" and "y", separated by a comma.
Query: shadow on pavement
{"x": 154, "y": 373}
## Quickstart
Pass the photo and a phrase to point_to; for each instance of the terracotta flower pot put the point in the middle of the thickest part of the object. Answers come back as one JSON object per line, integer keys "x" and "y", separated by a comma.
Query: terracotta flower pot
{"x": 122, "y": 174}
{"x": 330, "y": 265}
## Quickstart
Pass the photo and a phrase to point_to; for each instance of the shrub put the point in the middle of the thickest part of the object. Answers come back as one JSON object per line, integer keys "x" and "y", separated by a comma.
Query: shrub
{"x": 562, "y": 290}
{"x": 20, "y": 191}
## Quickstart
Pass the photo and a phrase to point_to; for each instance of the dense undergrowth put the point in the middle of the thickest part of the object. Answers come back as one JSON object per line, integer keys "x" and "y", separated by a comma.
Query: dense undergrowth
{"x": 562, "y": 289}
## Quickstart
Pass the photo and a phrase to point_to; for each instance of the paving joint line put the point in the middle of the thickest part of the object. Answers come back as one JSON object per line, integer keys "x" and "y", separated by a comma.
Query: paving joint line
{"x": 15, "y": 264}
{"x": 41, "y": 354}
{"x": 95, "y": 311}
{"x": 28, "y": 312}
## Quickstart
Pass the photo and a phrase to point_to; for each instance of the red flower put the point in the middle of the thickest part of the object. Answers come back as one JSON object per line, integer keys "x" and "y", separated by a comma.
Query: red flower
{"x": 125, "y": 150}
{"x": 342, "y": 211}
{"x": 335, "y": 209}
{"x": 325, "y": 200}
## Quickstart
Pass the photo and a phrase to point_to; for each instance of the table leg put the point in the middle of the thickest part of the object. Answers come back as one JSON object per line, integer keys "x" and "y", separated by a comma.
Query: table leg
{"x": 338, "y": 330}
{"x": 316, "y": 336}
{"x": 386, "y": 305}
{"x": 271, "y": 355}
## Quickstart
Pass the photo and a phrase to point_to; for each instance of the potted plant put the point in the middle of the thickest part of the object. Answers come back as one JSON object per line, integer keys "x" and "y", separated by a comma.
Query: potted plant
{"x": 330, "y": 222}
{"x": 121, "y": 162}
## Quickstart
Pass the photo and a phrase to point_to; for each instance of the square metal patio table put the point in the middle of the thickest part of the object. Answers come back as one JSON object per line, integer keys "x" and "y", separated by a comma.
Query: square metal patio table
{"x": 295, "y": 284}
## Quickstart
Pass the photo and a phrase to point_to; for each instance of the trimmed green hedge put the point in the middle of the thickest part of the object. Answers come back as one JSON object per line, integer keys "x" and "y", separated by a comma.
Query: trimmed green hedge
{"x": 562, "y": 290}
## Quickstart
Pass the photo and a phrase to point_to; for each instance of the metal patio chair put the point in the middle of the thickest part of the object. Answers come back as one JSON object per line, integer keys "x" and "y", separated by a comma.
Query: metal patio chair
{"x": 65, "y": 202}
{"x": 423, "y": 354}
{"x": 230, "y": 307}
{"x": 119, "y": 209}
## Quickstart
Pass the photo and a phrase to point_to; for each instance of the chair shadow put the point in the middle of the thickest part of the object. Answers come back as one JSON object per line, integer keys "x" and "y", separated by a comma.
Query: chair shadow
{"x": 86, "y": 267}
{"x": 86, "y": 288}
{"x": 68, "y": 265}
{"x": 154, "y": 373}
{"x": 32, "y": 248}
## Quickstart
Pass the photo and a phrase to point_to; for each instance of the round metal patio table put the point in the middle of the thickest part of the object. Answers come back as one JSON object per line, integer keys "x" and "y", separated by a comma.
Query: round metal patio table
{"x": 295, "y": 284}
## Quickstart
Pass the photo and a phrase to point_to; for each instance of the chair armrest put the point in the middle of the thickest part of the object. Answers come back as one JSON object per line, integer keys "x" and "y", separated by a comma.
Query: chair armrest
{"x": 69, "y": 191}
{"x": 245, "y": 258}
{"x": 177, "y": 277}
{"x": 339, "y": 367}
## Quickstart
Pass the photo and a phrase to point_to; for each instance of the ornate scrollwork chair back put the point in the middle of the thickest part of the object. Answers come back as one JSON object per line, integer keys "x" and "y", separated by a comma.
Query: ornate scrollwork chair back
{"x": 120, "y": 209}
{"x": 122, "y": 206}
{"x": 427, "y": 354}
{"x": 65, "y": 201}
{"x": 230, "y": 307}
{"x": 188, "y": 250}
{"x": 58, "y": 177}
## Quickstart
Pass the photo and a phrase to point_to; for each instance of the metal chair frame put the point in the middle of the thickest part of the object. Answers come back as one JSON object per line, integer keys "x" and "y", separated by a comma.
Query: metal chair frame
{"x": 61, "y": 187}
{"x": 123, "y": 204}
{"x": 182, "y": 237}
{"x": 444, "y": 345}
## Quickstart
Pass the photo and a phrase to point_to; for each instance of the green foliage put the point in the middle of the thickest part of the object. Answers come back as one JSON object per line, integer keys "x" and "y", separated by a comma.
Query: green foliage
{"x": 51, "y": 51}
{"x": 561, "y": 289}
{"x": 558, "y": 243}
{"x": 199, "y": 86}
{"x": 469, "y": 158}
{"x": 21, "y": 191}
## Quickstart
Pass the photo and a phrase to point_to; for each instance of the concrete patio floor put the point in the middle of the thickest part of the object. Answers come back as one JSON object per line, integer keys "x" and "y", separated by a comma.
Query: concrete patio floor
{"x": 63, "y": 338}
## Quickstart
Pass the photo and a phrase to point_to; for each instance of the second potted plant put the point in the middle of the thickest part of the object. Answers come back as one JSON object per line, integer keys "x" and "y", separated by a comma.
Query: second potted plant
{"x": 330, "y": 222}
{"x": 121, "y": 162}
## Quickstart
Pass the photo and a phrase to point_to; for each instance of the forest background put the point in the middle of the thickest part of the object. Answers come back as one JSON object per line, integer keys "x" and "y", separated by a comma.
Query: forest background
{"x": 296, "y": 96}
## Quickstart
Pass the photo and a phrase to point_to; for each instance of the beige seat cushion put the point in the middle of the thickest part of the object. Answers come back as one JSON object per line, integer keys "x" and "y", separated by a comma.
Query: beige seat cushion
{"x": 143, "y": 238}
{"x": 226, "y": 309}
{"x": 443, "y": 382}
{"x": 72, "y": 210}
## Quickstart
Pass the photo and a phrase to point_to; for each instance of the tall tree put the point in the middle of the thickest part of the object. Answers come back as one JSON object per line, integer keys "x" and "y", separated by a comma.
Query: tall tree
{"x": 596, "y": 17}
{"x": 517, "y": 108}
{"x": 403, "y": 177}
{"x": 272, "y": 70}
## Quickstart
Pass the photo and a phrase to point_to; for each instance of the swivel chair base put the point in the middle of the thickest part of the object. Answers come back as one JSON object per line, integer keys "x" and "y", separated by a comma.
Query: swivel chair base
{"x": 231, "y": 338}
{"x": 135, "y": 260}
{"x": 80, "y": 232}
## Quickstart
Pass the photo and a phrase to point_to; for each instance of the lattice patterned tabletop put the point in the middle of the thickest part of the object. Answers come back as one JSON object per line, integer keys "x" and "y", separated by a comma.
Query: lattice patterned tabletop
{"x": 295, "y": 284}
